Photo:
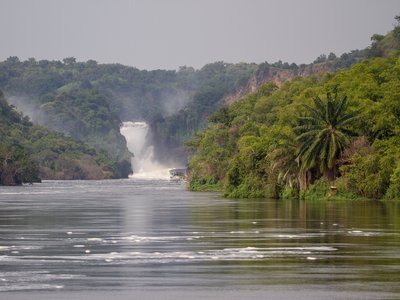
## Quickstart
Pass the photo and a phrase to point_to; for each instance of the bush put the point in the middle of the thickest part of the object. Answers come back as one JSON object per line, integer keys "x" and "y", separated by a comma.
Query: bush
{"x": 317, "y": 191}
{"x": 368, "y": 175}
{"x": 289, "y": 193}
{"x": 393, "y": 191}
{"x": 245, "y": 190}
{"x": 204, "y": 184}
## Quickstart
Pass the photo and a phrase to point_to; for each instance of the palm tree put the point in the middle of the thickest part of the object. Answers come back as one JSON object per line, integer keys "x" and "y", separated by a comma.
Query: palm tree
{"x": 282, "y": 155}
{"x": 323, "y": 134}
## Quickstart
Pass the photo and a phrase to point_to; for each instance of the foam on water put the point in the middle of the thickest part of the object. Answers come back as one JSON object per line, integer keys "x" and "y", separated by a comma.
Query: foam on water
{"x": 156, "y": 172}
{"x": 140, "y": 257}
{"x": 23, "y": 286}
{"x": 144, "y": 164}
{"x": 33, "y": 280}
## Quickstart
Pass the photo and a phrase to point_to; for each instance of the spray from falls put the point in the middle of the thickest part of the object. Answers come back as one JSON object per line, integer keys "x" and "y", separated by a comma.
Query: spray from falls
{"x": 143, "y": 163}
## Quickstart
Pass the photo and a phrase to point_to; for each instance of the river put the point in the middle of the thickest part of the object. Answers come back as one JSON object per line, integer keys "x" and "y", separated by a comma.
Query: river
{"x": 143, "y": 239}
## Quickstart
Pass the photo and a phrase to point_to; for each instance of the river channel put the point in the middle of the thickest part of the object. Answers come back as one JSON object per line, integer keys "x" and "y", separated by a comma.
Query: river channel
{"x": 144, "y": 239}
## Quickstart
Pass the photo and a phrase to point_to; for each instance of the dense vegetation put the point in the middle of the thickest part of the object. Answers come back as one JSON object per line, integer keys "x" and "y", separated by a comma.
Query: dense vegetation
{"x": 88, "y": 101}
{"x": 30, "y": 152}
{"x": 332, "y": 136}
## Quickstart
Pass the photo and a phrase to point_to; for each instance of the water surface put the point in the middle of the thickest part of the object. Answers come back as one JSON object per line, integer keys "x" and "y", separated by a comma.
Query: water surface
{"x": 126, "y": 239}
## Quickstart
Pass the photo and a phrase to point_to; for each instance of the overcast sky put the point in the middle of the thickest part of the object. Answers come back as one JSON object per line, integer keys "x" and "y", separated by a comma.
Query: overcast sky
{"x": 166, "y": 34}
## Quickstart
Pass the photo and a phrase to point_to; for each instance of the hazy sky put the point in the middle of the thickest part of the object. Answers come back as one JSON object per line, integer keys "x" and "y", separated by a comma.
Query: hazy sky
{"x": 166, "y": 34}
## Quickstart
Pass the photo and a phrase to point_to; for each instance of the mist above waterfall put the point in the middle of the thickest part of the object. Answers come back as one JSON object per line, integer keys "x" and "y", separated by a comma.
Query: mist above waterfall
{"x": 144, "y": 165}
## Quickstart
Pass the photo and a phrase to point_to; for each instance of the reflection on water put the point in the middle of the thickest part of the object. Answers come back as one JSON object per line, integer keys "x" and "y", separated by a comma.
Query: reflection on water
{"x": 149, "y": 238}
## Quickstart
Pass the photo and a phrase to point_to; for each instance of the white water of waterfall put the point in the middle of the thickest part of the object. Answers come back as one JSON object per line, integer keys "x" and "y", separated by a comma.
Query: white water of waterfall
{"x": 143, "y": 163}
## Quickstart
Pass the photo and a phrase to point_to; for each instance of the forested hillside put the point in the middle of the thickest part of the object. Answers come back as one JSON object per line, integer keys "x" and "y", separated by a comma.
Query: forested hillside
{"x": 29, "y": 153}
{"x": 341, "y": 130}
{"x": 88, "y": 101}
{"x": 333, "y": 134}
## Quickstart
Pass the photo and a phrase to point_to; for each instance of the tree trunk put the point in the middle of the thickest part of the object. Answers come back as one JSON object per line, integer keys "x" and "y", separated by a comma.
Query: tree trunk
{"x": 7, "y": 177}
{"x": 304, "y": 180}
{"x": 330, "y": 174}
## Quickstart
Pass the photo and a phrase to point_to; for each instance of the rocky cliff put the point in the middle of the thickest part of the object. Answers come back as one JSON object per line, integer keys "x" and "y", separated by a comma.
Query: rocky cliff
{"x": 265, "y": 74}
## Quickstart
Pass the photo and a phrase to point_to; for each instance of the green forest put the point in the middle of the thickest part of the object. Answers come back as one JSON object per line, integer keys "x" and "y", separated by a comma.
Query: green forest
{"x": 88, "y": 101}
{"x": 29, "y": 153}
{"x": 333, "y": 136}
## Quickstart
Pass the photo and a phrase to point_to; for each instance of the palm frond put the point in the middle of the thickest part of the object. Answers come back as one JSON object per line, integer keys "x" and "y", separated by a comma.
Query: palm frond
{"x": 341, "y": 107}
{"x": 323, "y": 133}
{"x": 348, "y": 118}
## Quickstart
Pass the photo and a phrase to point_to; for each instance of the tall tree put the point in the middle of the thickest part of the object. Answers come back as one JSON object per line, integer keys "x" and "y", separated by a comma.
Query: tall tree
{"x": 283, "y": 154}
{"x": 323, "y": 134}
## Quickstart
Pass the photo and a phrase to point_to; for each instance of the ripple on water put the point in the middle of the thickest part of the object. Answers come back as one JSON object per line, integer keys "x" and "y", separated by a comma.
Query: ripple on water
{"x": 33, "y": 280}
{"x": 138, "y": 257}
{"x": 132, "y": 233}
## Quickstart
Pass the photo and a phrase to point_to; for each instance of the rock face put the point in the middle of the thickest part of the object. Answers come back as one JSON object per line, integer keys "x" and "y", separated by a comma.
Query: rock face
{"x": 277, "y": 75}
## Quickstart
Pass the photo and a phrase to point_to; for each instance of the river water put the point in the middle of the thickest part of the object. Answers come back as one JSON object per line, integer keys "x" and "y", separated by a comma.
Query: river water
{"x": 132, "y": 239}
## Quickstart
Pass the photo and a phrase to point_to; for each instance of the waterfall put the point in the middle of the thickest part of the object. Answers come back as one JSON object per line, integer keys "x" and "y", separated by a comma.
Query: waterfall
{"x": 143, "y": 163}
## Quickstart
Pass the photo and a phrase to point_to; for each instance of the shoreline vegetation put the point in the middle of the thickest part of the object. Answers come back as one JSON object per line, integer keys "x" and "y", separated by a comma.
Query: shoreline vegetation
{"x": 335, "y": 137}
